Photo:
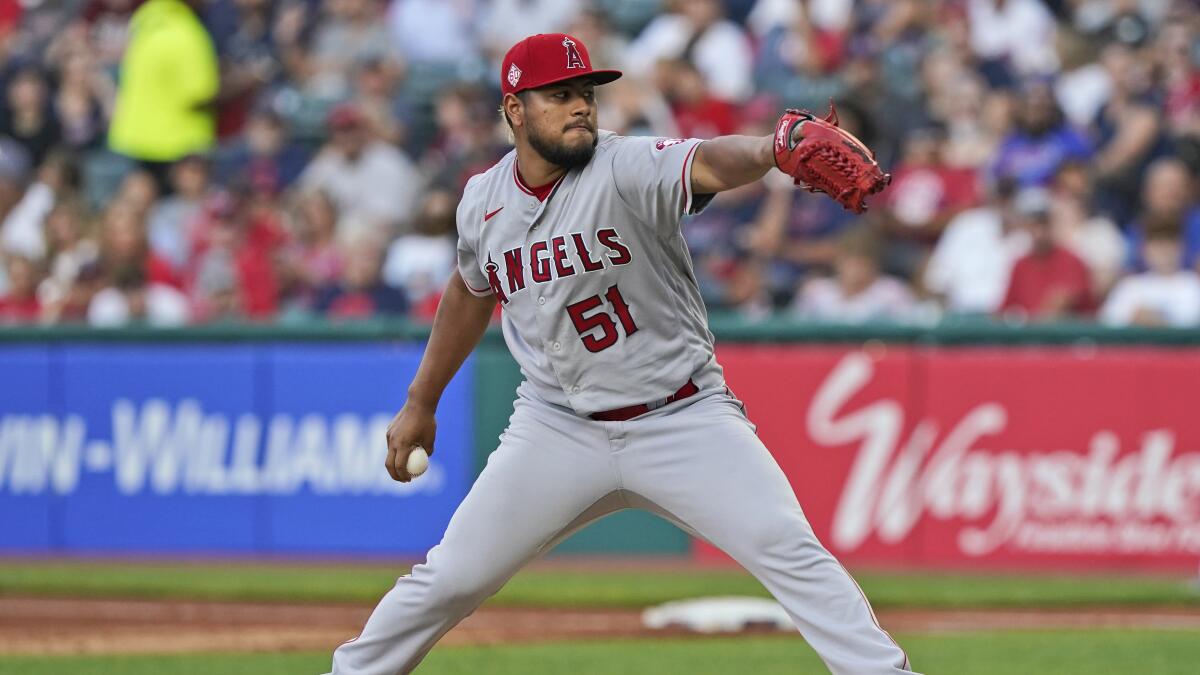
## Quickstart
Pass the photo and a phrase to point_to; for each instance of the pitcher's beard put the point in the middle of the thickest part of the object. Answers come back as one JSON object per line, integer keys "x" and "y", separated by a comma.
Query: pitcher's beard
{"x": 560, "y": 154}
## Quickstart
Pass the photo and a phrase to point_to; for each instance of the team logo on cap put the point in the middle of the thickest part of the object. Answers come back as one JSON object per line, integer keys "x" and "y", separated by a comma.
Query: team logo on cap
{"x": 574, "y": 60}
{"x": 514, "y": 75}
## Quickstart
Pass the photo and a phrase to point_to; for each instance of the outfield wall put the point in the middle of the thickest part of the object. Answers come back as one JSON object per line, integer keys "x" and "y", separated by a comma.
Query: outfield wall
{"x": 263, "y": 448}
{"x": 970, "y": 444}
{"x": 1031, "y": 457}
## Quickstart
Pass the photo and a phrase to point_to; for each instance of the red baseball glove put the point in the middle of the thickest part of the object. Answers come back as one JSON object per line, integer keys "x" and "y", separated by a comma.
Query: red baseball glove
{"x": 827, "y": 158}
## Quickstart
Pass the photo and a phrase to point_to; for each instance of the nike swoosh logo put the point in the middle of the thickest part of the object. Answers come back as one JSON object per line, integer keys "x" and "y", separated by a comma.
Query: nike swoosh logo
{"x": 489, "y": 216}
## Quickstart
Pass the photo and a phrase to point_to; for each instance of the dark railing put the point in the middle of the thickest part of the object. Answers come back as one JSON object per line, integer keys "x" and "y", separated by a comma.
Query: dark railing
{"x": 730, "y": 328}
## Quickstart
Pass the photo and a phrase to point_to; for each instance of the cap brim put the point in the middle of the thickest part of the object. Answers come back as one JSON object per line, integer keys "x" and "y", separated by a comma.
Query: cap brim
{"x": 596, "y": 76}
{"x": 605, "y": 76}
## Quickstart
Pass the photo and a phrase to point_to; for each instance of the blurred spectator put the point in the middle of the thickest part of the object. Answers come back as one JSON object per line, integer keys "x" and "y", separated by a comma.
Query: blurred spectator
{"x": 22, "y": 228}
{"x": 134, "y": 284}
{"x": 132, "y": 298}
{"x": 976, "y": 119}
{"x": 361, "y": 293}
{"x": 106, "y": 26}
{"x": 235, "y": 249}
{"x": 27, "y": 116}
{"x": 1127, "y": 133}
{"x": 1048, "y": 282}
{"x": 32, "y": 31}
{"x": 264, "y": 200}
{"x": 1013, "y": 39}
{"x": 970, "y": 266}
{"x": 794, "y": 234}
{"x": 164, "y": 108}
{"x": 438, "y": 32}
{"x": 1041, "y": 142}
{"x": 264, "y": 147}
{"x": 83, "y": 102}
{"x": 1083, "y": 85}
{"x": 1168, "y": 196}
{"x": 697, "y": 112}
{"x": 1093, "y": 237}
{"x": 19, "y": 304}
{"x": 300, "y": 94}
{"x": 797, "y": 65}
{"x": 13, "y": 178}
{"x": 313, "y": 259}
{"x": 721, "y": 240}
{"x": 833, "y": 16}
{"x": 350, "y": 34}
{"x": 65, "y": 292}
{"x": 466, "y": 142}
{"x": 139, "y": 191}
{"x": 74, "y": 307}
{"x": 1118, "y": 20}
{"x": 168, "y": 220}
{"x": 857, "y": 292}
{"x": 505, "y": 22}
{"x": 421, "y": 263}
{"x": 1180, "y": 70}
{"x": 696, "y": 31}
{"x": 1164, "y": 295}
{"x": 375, "y": 95}
{"x": 375, "y": 185}
{"x": 925, "y": 194}
{"x": 123, "y": 245}
{"x": 215, "y": 287}
{"x": 882, "y": 69}
{"x": 248, "y": 62}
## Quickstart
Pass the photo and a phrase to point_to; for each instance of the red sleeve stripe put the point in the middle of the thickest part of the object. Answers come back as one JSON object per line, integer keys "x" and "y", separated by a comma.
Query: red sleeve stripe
{"x": 686, "y": 178}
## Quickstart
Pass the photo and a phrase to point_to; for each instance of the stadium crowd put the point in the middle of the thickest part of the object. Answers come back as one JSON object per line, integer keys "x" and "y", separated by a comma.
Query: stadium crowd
{"x": 187, "y": 161}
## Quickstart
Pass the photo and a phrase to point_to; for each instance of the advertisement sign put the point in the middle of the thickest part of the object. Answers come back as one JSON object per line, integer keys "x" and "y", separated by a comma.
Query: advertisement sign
{"x": 1050, "y": 457}
{"x": 265, "y": 448}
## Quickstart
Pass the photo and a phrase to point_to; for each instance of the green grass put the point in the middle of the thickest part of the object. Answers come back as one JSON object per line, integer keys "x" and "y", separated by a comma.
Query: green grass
{"x": 1059, "y": 653}
{"x": 557, "y": 587}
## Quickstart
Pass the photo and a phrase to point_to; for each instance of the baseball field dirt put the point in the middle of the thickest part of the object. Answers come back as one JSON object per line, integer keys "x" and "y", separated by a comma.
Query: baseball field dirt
{"x": 114, "y": 617}
{"x": 46, "y": 626}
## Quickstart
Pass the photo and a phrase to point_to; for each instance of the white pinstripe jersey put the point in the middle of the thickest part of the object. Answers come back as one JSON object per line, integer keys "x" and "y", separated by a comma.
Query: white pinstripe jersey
{"x": 600, "y": 304}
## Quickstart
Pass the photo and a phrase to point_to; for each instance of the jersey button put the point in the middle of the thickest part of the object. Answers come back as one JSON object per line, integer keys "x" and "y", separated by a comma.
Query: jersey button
{"x": 557, "y": 346}
{"x": 575, "y": 389}
{"x": 541, "y": 300}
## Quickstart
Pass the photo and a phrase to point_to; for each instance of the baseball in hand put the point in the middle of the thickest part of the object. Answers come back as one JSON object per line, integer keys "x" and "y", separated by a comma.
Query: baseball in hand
{"x": 418, "y": 461}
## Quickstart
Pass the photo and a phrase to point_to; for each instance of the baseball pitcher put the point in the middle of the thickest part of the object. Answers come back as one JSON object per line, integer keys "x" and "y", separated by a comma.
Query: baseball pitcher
{"x": 576, "y": 233}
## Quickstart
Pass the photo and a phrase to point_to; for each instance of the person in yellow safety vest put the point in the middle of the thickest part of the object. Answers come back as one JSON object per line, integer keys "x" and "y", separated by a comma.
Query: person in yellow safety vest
{"x": 168, "y": 83}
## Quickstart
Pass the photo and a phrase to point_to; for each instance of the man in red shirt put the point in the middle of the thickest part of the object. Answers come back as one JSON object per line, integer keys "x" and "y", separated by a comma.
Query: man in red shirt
{"x": 697, "y": 111}
{"x": 233, "y": 249}
{"x": 925, "y": 195}
{"x": 1049, "y": 282}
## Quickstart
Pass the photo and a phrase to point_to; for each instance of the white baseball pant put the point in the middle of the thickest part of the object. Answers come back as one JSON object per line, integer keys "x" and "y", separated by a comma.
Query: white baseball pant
{"x": 696, "y": 462}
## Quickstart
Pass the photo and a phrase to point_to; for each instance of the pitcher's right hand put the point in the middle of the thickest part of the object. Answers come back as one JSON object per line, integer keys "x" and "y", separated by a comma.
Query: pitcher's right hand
{"x": 414, "y": 425}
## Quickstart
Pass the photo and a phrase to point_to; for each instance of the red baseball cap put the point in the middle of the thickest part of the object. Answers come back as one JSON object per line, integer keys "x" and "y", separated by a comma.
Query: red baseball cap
{"x": 546, "y": 58}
